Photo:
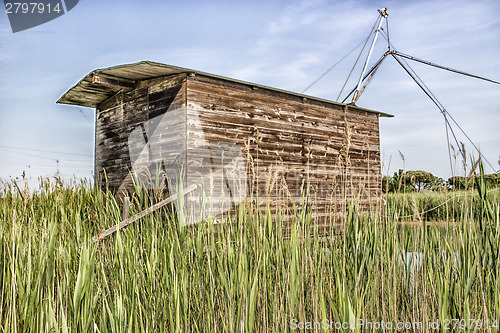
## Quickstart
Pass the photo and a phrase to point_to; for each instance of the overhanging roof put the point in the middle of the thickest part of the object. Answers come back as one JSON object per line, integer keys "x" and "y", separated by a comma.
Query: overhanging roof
{"x": 86, "y": 93}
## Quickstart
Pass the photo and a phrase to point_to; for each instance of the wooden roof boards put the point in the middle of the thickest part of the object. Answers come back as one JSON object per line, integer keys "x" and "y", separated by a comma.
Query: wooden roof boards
{"x": 90, "y": 91}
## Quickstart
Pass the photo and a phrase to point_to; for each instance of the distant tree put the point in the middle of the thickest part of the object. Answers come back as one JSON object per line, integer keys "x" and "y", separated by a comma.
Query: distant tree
{"x": 391, "y": 183}
{"x": 420, "y": 179}
{"x": 410, "y": 181}
{"x": 461, "y": 183}
{"x": 492, "y": 180}
{"x": 457, "y": 182}
{"x": 386, "y": 184}
{"x": 397, "y": 183}
{"x": 439, "y": 184}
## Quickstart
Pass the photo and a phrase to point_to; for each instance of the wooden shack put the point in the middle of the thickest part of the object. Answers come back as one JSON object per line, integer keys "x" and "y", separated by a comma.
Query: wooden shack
{"x": 169, "y": 127}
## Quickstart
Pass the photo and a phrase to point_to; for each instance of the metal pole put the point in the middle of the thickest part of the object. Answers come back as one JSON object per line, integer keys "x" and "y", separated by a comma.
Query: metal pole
{"x": 367, "y": 74}
{"x": 383, "y": 14}
{"x": 443, "y": 67}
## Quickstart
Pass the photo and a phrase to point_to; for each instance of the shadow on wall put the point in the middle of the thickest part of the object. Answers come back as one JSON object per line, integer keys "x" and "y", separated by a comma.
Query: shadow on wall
{"x": 221, "y": 179}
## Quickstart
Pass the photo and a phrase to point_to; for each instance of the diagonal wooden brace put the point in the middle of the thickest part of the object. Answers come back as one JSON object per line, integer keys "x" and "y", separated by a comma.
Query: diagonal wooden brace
{"x": 140, "y": 215}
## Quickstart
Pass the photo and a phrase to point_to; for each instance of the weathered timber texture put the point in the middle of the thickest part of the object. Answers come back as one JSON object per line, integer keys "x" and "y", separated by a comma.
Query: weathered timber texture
{"x": 125, "y": 131}
{"x": 235, "y": 142}
{"x": 292, "y": 146}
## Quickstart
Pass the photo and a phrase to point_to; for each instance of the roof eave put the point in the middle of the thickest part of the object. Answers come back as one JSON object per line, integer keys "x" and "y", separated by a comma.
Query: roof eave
{"x": 97, "y": 95}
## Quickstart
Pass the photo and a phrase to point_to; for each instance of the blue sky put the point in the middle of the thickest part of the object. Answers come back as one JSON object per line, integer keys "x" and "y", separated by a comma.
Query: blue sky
{"x": 284, "y": 44}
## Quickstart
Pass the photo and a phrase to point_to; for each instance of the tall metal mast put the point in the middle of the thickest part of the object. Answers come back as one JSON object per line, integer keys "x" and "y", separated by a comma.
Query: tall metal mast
{"x": 383, "y": 14}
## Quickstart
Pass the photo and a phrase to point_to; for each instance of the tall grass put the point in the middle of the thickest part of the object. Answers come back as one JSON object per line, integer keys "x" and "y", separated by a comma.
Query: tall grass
{"x": 449, "y": 206}
{"x": 246, "y": 277}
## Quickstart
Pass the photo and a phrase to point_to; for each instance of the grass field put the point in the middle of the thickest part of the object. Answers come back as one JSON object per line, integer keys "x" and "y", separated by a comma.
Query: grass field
{"x": 444, "y": 207}
{"x": 156, "y": 276}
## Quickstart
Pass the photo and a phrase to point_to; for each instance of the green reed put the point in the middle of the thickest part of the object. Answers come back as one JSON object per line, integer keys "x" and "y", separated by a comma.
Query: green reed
{"x": 244, "y": 275}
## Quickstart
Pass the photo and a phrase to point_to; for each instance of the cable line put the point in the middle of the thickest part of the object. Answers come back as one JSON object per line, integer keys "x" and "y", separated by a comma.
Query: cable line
{"x": 372, "y": 70}
{"x": 27, "y": 154}
{"x": 433, "y": 98}
{"x": 429, "y": 93}
{"x": 443, "y": 67}
{"x": 470, "y": 141}
{"x": 448, "y": 143}
{"x": 38, "y": 156}
{"x": 359, "y": 56}
{"x": 338, "y": 62}
{"x": 45, "y": 151}
{"x": 443, "y": 112}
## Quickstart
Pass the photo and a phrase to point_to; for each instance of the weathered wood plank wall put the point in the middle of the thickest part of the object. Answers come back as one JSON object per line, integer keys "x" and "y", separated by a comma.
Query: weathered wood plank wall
{"x": 119, "y": 150}
{"x": 237, "y": 140}
{"x": 291, "y": 144}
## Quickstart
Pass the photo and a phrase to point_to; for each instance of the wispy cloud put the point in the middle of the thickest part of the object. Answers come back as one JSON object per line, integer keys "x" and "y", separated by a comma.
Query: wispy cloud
{"x": 282, "y": 44}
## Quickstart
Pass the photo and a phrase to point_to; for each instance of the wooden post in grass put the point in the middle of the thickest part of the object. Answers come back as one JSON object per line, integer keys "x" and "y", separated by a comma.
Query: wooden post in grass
{"x": 137, "y": 216}
{"x": 125, "y": 208}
